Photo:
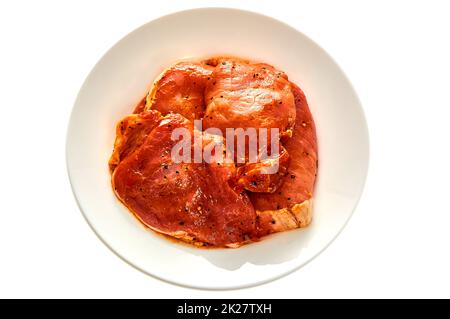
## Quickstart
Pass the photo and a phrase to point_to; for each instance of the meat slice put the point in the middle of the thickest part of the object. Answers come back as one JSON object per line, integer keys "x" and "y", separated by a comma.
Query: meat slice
{"x": 180, "y": 89}
{"x": 194, "y": 202}
{"x": 251, "y": 96}
{"x": 244, "y": 94}
{"x": 253, "y": 176}
{"x": 131, "y": 132}
{"x": 290, "y": 206}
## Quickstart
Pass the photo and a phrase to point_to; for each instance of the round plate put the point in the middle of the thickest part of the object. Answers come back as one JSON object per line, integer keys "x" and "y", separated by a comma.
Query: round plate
{"x": 123, "y": 76}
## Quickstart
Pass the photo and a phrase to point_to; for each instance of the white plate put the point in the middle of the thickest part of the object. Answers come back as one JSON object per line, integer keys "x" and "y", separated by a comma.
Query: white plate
{"x": 122, "y": 77}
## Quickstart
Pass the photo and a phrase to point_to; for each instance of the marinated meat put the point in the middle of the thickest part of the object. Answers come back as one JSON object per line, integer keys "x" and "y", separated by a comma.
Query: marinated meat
{"x": 243, "y": 94}
{"x": 217, "y": 203}
{"x": 180, "y": 89}
{"x": 190, "y": 201}
{"x": 295, "y": 194}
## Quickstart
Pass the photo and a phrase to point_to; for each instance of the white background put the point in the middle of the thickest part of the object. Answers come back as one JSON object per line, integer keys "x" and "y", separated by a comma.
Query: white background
{"x": 397, "y": 55}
